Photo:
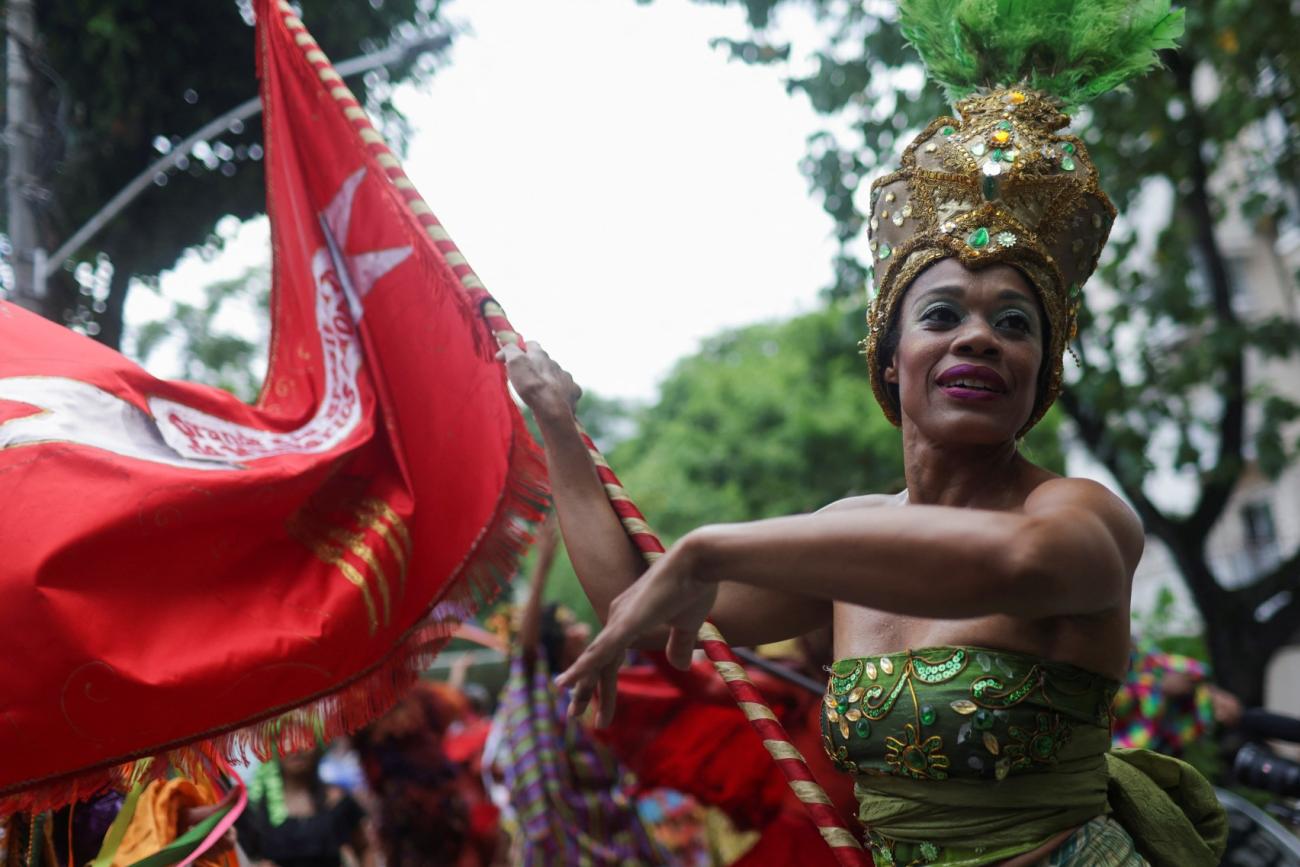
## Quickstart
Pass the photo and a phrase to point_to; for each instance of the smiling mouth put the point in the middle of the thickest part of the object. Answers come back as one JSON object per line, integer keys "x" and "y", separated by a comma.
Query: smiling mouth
{"x": 972, "y": 385}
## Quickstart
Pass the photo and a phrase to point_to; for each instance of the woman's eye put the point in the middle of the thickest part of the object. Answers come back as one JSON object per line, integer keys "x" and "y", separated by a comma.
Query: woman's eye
{"x": 941, "y": 314}
{"x": 1015, "y": 321}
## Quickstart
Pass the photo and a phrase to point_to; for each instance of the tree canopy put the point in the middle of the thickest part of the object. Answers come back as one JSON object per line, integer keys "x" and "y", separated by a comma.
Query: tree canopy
{"x": 121, "y": 81}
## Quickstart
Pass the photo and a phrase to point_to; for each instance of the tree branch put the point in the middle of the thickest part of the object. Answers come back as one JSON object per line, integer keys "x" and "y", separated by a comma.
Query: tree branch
{"x": 1218, "y": 484}
{"x": 1092, "y": 430}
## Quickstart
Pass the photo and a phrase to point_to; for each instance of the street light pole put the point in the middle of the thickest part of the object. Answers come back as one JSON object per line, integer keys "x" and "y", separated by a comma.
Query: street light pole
{"x": 20, "y": 133}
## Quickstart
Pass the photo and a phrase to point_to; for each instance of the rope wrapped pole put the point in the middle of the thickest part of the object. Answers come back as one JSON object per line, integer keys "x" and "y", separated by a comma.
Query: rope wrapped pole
{"x": 843, "y": 844}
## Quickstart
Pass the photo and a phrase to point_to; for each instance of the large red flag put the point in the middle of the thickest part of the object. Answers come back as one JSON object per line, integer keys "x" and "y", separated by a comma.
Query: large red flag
{"x": 179, "y": 570}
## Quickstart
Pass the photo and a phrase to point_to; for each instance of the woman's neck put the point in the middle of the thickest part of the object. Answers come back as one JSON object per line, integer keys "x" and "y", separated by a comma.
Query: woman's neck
{"x": 973, "y": 476}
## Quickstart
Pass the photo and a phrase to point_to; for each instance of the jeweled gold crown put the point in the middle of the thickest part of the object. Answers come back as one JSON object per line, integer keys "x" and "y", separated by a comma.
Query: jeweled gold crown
{"x": 1001, "y": 183}
{"x": 997, "y": 185}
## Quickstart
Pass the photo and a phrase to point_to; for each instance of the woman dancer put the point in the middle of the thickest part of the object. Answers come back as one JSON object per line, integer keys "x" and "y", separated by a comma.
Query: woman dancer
{"x": 981, "y": 616}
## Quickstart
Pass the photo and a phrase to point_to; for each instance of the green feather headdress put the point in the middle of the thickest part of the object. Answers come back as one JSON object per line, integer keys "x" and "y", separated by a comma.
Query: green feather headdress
{"x": 1071, "y": 50}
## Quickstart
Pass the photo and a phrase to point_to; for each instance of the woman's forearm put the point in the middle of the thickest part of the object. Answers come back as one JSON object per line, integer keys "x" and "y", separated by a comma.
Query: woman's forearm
{"x": 603, "y": 557}
{"x": 927, "y": 561}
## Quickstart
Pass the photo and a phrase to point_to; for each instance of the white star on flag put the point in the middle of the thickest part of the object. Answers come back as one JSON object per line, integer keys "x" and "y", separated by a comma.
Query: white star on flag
{"x": 358, "y": 272}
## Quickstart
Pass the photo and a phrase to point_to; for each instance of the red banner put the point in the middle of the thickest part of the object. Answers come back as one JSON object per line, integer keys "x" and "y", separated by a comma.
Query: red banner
{"x": 178, "y": 569}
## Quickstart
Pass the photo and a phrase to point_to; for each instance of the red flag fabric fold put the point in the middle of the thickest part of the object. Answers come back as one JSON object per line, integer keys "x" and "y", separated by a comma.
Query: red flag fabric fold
{"x": 186, "y": 576}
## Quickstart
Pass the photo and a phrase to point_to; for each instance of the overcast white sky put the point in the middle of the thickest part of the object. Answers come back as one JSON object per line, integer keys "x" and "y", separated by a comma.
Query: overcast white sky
{"x": 621, "y": 187}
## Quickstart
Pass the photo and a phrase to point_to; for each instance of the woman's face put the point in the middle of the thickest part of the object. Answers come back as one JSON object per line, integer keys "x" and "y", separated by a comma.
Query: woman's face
{"x": 969, "y": 351}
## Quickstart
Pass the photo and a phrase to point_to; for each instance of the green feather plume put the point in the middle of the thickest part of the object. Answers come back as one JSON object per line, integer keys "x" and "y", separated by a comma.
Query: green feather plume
{"x": 1073, "y": 50}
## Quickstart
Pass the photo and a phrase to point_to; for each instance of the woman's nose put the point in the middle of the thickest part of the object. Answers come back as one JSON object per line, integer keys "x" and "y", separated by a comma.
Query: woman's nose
{"x": 977, "y": 337}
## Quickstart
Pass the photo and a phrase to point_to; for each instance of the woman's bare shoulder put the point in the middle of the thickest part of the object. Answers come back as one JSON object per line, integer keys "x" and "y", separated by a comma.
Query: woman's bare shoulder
{"x": 864, "y": 501}
{"x": 1063, "y": 493}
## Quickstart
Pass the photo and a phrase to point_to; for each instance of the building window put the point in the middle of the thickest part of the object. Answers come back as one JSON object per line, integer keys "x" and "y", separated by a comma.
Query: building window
{"x": 1258, "y": 520}
{"x": 1259, "y": 554}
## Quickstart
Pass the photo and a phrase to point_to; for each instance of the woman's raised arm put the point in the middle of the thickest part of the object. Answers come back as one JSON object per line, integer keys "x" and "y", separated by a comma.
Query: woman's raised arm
{"x": 605, "y": 560}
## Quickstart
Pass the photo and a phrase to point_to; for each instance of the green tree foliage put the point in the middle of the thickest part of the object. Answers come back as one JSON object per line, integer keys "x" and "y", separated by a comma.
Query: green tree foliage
{"x": 221, "y": 341}
{"x": 1211, "y": 137}
{"x": 120, "y": 81}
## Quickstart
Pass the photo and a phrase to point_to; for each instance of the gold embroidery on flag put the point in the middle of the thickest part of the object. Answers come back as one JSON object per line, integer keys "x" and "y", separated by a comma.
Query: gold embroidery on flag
{"x": 360, "y": 548}
{"x": 340, "y": 525}
{"x": 301, "y": 528}
{"x": 378, "y": 516}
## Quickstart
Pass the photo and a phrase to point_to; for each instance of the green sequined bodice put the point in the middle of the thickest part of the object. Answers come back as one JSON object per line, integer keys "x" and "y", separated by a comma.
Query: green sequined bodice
{"x": 958, "y": 712}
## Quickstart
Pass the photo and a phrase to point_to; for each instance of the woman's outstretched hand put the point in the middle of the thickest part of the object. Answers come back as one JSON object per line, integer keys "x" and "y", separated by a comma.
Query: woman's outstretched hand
{"x": 668, "y": 593}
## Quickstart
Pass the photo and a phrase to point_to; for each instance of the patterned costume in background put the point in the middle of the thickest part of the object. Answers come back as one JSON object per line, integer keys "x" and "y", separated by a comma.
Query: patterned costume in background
{"x": 571, "y": 799}
{"x": 1147, "y": 717}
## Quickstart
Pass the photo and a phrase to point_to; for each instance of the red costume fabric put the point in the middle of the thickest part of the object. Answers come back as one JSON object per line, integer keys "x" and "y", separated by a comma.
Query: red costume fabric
{"x": 180, "y": 569}
{"x": 682, "y": 730}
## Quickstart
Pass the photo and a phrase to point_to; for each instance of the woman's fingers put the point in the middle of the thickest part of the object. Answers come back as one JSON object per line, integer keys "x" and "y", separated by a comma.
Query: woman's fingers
{"x": 680, "y": 647}
{"x": 608, "y": 694}
{"x": 580, "y": 696}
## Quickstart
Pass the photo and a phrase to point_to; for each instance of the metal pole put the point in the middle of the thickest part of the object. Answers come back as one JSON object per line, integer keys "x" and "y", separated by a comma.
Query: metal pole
{"x": 20, "y": 133}
{"x": 243, "y": 111}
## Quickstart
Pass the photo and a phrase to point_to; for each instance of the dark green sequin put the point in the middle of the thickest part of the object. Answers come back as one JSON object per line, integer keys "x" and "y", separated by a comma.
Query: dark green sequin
{"x": 929, "y": 671}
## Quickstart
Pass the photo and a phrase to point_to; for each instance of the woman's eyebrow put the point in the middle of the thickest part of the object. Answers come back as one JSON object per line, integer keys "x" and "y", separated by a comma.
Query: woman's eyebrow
{"x": 945, "y": 291}
{"x": 1013, "y": 295}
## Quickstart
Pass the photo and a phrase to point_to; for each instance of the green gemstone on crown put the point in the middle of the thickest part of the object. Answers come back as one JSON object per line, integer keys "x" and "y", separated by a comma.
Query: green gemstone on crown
{"x": 1068, "y": 147}
{"x": 1067, "y": 163}
{"x": 979, "y": 239}
{"x": 884, "y": 251}
{"x": 928, "y": 716}
{"x": 947, "y": 130}
{"x": 1004, "y": 124}
{"x": 862, "y": 728}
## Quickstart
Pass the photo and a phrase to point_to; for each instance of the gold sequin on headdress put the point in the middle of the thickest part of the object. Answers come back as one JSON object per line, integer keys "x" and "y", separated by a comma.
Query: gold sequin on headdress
{"x": 1000, "y": 185}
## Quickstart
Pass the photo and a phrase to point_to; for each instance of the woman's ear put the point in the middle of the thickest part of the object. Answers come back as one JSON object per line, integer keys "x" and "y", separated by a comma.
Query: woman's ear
{"x": 890, "y": 373}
